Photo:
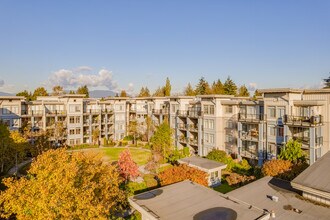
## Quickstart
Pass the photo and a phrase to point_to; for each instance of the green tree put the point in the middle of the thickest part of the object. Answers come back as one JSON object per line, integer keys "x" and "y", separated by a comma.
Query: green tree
{"x": 26, "y": 94}
{"x": 167, "y": 87}
{"x": 150, "y": 127}
{"x": 96, "y": 135}
{"x": 133, "y": 129}
{"x": 123, "y": 93}
{"x": 61, "y": 185}
{"x": 326, "y": 83}
{"x": 6, "y": 152}
{"x": 40, "y": 91}
{"x": 72, "y": 92}
{"x": 189, "y": 91}
{"x": 230, "y": 87}
{"x": 162, "y": 140}
{"x": 83, "y": 90}
{"x": 243, "y": 91}
{"x": 256, "y": 94}
{"x": 144, "y": 92}
{"x": 293, "y": 152}
{"x": 159, "y": 92}
{"x": 203, "y": 87}
{"x": 58, "y": 90}
{"x": 217, "y": 87}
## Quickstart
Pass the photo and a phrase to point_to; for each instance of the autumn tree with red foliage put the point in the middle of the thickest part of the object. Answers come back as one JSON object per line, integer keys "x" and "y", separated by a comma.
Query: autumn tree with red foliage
{"x": 182, "y": 172}
{"x": 276, "y": 167}
{"x": 128, "y": 169}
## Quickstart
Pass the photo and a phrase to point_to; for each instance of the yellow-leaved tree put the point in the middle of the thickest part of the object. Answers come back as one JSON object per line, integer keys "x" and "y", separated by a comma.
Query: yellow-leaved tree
{"x": 60, "y": 185}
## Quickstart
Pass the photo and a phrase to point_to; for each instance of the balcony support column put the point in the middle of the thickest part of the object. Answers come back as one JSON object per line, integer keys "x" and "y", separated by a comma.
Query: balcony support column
{"x": 261, "y": 147}
{"x": 201, "y": 151}
{"x": 239, "y": 141}
{"x": 312, "y": 145}
{"x": 106, "y": 127}
{"x": 90, "y": 128}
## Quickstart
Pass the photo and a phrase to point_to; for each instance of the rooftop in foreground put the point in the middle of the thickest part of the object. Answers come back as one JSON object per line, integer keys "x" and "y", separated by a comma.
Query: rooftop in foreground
{"x": 259, "y": 194}
{"x": 188, "y": 200}
{"x": 202, "y": 163}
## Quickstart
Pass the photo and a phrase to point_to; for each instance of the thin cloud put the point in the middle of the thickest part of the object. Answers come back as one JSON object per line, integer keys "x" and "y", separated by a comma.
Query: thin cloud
{"x": 252, "y": 86}
{"x": 71, "y": 78}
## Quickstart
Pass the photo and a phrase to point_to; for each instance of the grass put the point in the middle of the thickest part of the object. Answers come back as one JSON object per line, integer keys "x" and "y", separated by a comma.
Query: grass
{"x": 139, "y": 156}
{"x": 224, "y": 188}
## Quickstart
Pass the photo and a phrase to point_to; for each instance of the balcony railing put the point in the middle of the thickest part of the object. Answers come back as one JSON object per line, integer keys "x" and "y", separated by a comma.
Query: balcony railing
{"x": 159, "y": 111}
{"x": 183, "y": 140}
{"x": 32, "y": 112}
{"x": 55, "y": 112}
{"x": 182, "y": 113}
{"x": 182, "y": 126}
{"x": 242, "y": 117}
{"x": 193, "y": 127}
{"x": 251, "y": 135}
{"x": 195, "y": 113}
{"x": 303, "y": 120}
{"x": 193, "y": 142}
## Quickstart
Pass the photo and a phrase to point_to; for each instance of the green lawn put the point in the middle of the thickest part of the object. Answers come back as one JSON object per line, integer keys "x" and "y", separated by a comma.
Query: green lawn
{"x": 224, "y": 188}
{"x": 140, "y": 156}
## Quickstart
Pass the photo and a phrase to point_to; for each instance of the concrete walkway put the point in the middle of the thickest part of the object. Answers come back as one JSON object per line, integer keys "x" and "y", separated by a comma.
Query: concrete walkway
{"x": 15, "y": 170}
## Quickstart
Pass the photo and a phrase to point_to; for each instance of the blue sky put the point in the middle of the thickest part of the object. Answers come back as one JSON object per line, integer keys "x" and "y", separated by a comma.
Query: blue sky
{"x": 128, "y": 44}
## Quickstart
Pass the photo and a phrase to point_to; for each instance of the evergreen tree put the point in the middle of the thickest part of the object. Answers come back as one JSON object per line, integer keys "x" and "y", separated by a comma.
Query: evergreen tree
{"x": 203, "y": 87}
{"x": 167, "y": 87}
{"x": 217, "y": 87}
{"x": 326, "y": 83}
{"x": 123, "y": 93}
{"x": 230, "y": 87}
{"x": 189, "y": 91}
{"x": 159, "y": 92}
{"x": 144, "y": 92}
{"x": 162, "y": 140}
{"x": 243, "y": 91}
{"x": 58, "y": 90}
{"x": 26, "y": 94}
{"x": 40, "y": 91}
{"x": 256, "y": 93}
{"x": 83, "y": 90}
{"x": 72, "y": 92}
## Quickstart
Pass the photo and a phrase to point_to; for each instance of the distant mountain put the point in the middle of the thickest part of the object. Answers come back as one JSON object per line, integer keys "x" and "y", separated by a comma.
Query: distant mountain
{"x": 5, "y": 94}
{"x": 101, "y": 93}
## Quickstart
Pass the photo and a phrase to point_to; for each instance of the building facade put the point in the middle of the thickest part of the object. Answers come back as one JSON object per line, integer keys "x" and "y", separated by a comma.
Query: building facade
{"x": 253, "y": 129}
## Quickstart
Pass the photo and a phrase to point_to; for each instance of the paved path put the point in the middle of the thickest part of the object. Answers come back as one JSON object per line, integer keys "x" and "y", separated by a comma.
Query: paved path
{"x": 14, "y": 170}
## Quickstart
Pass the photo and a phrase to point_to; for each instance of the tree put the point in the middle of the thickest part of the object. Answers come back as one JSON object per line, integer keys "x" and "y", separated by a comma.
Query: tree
{"x": 150, "y": 127}
{"x": 256, "y": 94}
{"x": 167, "y": 87}
{"x": 203, "y": 87}
{"x": 162, "y": 140}
{"x": 58, "y": 90}
{"x": 39, "y": 141}
{"x": 217, "y": 88}
{"x": 72, "y": 92}
{"x": 182, "y": 172}
{"x": 243, "y": 91}
{"x": 144, "y": 92}
{"x": 83, "y": 90}
{"x": 59, "y": 132}
{"x": 40, "y": 91}
{"x": 20, "y": 145}
{"x": 96, "y": 135}
{"x": 62, "y": 185}
{"x": 189, "y": 91}
{"x": 238, "y": 179}
{"x": 6, "y": 152}
{"x": 326, "y": 83}
{"x": 133, "y": 129}
{"x": 123, "y": 93}
{"x": 276, "y": 167}
{"x": 218, "y": 155}
{"x": 293, "y": 152}
{"x": 128, "y": 169}
{"x": 159, "y": 92}
{"x": 230, "y": 87}
{"x": 26, "y": 94}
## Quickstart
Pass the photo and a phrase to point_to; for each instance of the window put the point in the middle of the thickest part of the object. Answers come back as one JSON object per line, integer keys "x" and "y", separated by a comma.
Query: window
{"x": 271, "y": 112}
{"x": 71, "y": 142}
{"x": 229, "y": 138}
{"x": 77, "y": 130}
{"x": 77, "y": 120}
{"x": 174, "y": 108}
{"x": 71, "y": 131}
{"x": 209, "y": 109}
{"x": 229, "y": 109}
{"x": 230, "y": 124}
{"x": 74, "y": 108}
{"x": 209, "y": 124}
{"x": 78, "y": 141}
{"x": 280, "y": 131}
{"x": 280, "y": 112}
{"x": 6, "y": 110}
{"x": 71, "y": 120}
{"x": 209, "y": 138}
{"x": 272, "y": 131}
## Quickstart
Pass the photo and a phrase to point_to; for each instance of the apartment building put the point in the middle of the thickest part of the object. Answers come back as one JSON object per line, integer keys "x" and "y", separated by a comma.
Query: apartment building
{"x": 253, "y": 129}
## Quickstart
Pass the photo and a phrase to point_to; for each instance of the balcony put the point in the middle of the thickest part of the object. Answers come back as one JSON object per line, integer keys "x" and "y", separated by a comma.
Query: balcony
{"x": 252, "y": 135}
{"x": 182, "y": 126}
{"x": 193, "y": 141}
{"x": 249, "y": 151}
{"x": 195, "y": 113}
{"x": 305, "y": 141}
{"x": 253, "y": 118}
{"x": 193, "y": 128}
{"x": 183, "y": 139}
{"x": 307, "y": 121}
{"x": 159, "y": 111}
{"x": 182, "y": 113}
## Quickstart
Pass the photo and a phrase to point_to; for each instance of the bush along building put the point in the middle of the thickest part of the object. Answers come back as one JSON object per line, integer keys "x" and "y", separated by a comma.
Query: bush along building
{"x": 255, "y": 129}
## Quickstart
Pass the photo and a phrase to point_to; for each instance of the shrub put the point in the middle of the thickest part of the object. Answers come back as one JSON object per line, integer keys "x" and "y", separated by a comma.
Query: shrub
{"x": 237, "y": 179}
{"x": 276, "y": 167}
{"x": 182, "y": 172}
{"x": 186, "y": 152}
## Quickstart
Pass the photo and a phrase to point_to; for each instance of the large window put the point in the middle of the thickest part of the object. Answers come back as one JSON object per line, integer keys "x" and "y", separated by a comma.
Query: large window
{"x": 271, "y": 112}
{"x": 280, "y": 112}
{"x": 209, "y": 138}
{"x": 272, "y": 131}
{"x": 229, "y": 109}
{"x": 209, "y": 124}
{"x": 74, "y": 108}
{"x": 209, "y": 109}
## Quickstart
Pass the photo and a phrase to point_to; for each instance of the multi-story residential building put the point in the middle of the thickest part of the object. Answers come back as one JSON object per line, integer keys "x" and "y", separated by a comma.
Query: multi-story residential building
{"x": 253, "y": 129}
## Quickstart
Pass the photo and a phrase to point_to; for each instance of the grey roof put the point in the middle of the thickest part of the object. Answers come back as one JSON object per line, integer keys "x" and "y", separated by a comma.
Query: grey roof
{"x": 317, "y": 176}
{"x": 188, "y": 200}
{"x": 202, "y": 162}
{"x": 258, "y": 193}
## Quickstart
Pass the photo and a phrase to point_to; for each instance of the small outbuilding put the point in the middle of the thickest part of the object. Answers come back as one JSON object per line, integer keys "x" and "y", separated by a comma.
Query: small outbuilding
{"x": 211, "y": 167}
